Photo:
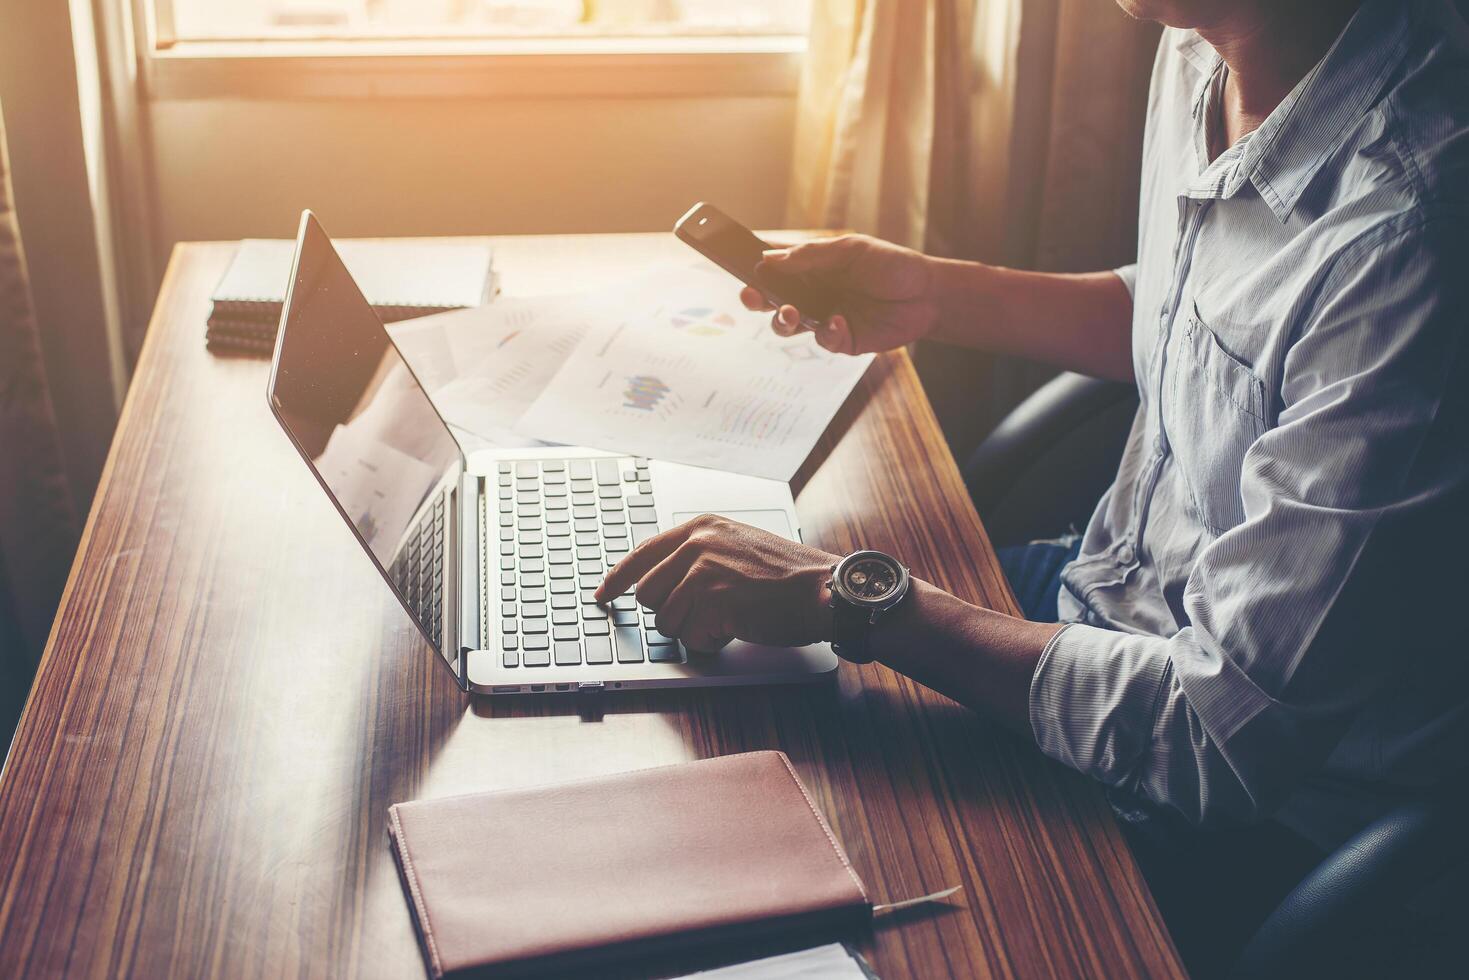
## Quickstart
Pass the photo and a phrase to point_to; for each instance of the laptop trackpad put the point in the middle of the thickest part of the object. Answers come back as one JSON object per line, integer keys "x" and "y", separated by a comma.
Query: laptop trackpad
{"x": 774, "y": 521}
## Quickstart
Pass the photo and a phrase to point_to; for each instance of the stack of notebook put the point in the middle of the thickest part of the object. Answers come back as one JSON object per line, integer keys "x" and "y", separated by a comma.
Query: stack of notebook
{"x": 402, "y": 280}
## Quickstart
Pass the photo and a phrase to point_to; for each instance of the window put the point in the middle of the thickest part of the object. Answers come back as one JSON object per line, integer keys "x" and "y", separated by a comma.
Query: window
{"x": 198, "y": 49}
{"x": 339, "y": 20}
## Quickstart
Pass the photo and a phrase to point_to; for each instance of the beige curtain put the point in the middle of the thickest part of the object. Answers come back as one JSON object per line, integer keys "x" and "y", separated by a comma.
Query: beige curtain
{"x": 1003, "y": 130}
{"x": 1059, "y": 104}
{"x": 882, "y": 121}
{"x": 1007, "y": 130}
{"x": 38, "y": 527}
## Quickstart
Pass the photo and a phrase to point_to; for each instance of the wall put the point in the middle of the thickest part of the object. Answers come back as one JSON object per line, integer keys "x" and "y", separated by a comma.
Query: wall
{"x": 246, "y": 167}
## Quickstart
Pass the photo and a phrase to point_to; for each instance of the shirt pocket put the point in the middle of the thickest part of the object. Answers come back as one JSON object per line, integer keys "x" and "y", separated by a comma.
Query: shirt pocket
{"x": 1216, "y": 411}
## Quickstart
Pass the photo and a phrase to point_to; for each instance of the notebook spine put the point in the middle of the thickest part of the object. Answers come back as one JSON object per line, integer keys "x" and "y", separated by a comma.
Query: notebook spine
{"x": 254, "y": 309}
{"x": 219, "y": 324}
{"x": 269, "y": 313}
{"x": 240, "y": 343}
{"x": 228, "y": 330}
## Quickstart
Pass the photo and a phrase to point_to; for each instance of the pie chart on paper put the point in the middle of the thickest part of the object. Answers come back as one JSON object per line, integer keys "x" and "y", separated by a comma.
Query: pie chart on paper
{"x": 702, "y": 321}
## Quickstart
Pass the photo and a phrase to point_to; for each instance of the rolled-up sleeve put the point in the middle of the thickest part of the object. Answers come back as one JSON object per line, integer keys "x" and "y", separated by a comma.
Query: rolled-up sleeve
{"x": 1290, "y": 612}
{"x": 1128, "y": 275}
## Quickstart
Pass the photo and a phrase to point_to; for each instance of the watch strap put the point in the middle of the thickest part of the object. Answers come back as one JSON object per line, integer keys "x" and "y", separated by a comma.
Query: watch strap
{"x": 849, "y": 628}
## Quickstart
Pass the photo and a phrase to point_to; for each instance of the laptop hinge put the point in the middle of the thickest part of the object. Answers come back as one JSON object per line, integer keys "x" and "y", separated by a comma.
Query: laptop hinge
{"x": 471, "y": 571}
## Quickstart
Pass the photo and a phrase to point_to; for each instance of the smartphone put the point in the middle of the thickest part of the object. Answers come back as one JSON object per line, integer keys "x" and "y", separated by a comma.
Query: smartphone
{"x": 737, "y": 250}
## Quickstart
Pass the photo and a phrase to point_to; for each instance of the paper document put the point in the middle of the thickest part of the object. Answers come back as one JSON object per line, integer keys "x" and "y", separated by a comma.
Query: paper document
{"x": 484, "y": 367}
{"x": 674, "y": 368}
{"x": 830, "y": 962}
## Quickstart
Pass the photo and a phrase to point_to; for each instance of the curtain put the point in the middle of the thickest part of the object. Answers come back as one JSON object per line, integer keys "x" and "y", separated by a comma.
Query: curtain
{"x": 1008, "y": 131}
{"x": 1059, "y": 174}
{"x": 1080, "y": 93}
{"x": 882, "y": 121}
{"x": 38, "y": 526}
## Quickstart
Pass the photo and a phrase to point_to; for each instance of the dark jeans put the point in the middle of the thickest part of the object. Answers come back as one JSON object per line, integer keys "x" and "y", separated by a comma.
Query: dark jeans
{"x": 1214, "y": 887}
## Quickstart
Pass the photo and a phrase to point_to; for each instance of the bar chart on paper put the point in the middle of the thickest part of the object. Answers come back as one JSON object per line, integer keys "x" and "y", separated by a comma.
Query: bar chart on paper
{"x": 693, "y": 384}
{"x": 744, "y": 415}
{"x": 648, "y": 393}
{"x": 665, "y": 365}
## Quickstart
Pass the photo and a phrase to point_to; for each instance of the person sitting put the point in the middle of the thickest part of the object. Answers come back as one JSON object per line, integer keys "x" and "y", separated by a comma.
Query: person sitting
{"x": 1255, "y": 626}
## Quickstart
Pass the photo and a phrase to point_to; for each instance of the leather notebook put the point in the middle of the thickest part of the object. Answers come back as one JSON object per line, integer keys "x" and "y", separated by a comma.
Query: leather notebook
{"x": 566, "y": 876}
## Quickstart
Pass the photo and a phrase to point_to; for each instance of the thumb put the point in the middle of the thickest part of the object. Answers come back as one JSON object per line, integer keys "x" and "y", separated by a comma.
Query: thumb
{"x": 816, "y": 256}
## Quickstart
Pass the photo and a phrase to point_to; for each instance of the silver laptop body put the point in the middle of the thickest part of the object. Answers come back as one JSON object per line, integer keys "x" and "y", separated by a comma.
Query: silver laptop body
{"x": 494, "y": 554}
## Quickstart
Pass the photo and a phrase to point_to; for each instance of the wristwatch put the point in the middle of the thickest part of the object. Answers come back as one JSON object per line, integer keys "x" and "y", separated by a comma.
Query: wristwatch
{"x": 864, "y": 586}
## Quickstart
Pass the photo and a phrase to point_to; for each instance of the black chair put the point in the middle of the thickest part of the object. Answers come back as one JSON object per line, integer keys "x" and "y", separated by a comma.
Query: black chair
{"x": 1384, "y": 904}
{"x": 1043, "y": 468}
{"x": 1390, "y": 902}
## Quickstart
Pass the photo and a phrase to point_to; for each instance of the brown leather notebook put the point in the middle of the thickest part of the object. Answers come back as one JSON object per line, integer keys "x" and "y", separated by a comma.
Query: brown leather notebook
{"x": 566, "y": 876}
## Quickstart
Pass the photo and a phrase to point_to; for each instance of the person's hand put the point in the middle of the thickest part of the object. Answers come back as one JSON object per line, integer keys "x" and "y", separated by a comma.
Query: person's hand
{"x": 712, "y": 580}
{"x": 883, "y": 292}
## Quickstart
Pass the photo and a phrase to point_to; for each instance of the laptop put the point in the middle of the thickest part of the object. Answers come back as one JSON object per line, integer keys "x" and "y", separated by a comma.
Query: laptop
{"x": 495, "y": 554}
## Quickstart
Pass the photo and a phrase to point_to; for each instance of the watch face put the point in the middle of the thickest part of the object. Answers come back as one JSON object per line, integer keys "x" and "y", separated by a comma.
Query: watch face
{"x": 870, "y": 579}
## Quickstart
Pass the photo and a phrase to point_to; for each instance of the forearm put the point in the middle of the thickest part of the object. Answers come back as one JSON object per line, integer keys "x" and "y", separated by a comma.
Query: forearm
{"x": 978, "y": 657}
{"x": 1076, "y": 322}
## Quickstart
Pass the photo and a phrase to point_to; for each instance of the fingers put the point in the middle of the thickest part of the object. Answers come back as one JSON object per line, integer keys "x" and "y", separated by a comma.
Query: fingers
{"x": 824, "y": 254}
{"x": 836, "y": 336}
{"x": 787, "y": 321}
{"x": 754, "y": 300}
{"x": 654, "y": 587}
{"x": 673, "y": 611}
{"x": 693, "y": 617}
{"x": 640, "y": 561}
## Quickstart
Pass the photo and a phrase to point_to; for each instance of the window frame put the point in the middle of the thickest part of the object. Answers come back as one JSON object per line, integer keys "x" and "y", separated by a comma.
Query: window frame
{"x": 539, "y": 67}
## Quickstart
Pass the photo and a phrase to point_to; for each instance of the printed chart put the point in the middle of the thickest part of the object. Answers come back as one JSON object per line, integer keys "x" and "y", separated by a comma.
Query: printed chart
{"x": 667, "y": 365}
{"x": 484, "y": 367}
{"x": 703, "y": 321}
{"x": 718, "y": 389}
{"x": 644, "y": 392}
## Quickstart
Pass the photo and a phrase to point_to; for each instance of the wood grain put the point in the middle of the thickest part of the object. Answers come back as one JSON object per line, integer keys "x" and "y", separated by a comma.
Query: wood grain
{"x": 230, "y": 700}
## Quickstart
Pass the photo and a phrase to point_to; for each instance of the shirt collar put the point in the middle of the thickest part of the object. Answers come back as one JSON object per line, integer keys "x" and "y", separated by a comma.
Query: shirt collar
{"x": 1294, "y": 141}
{"x": 1196, "y": 51}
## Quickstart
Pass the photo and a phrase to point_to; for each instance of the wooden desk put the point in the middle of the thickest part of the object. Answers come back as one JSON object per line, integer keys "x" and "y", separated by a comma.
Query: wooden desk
{"x": 230, "y": 700}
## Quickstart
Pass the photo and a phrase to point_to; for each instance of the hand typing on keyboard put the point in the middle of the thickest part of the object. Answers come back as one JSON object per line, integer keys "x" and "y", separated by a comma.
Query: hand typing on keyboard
{"x": 712, "y": 580}
{"x": 562, "y": 523}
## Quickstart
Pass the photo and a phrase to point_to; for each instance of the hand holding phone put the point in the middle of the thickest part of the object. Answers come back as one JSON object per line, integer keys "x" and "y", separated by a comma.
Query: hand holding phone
{"x": 738, "y": 251}
{"x": 855, "y": 293}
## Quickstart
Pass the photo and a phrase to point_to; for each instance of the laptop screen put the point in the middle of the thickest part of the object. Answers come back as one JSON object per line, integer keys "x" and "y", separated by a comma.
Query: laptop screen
{"x": 354, "y": 408}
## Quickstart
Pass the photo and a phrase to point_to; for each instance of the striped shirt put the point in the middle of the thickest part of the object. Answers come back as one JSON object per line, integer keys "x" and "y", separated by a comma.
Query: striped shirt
{"x": 1260, "y": 620}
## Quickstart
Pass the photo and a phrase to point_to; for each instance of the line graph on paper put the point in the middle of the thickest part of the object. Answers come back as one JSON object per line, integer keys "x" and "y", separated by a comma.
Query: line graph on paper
{"x": 753, "y": 420}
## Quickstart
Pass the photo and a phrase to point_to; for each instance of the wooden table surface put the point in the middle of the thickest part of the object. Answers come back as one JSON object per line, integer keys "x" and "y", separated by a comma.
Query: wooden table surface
{"x": 230, "y": 700}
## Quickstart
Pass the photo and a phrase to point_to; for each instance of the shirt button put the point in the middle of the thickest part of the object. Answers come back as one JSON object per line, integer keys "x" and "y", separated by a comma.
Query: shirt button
{"x": 1125, "y": 554}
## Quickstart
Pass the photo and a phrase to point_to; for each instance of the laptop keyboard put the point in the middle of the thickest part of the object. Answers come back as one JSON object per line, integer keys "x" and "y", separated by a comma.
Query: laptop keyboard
{"x": 557, "y": 526}
{"x": 419, "y": 570}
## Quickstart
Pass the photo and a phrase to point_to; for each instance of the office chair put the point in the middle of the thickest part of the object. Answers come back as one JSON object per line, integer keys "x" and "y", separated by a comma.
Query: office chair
{"x": 1385, "y": 902}
{"x": 1043, "y": 468}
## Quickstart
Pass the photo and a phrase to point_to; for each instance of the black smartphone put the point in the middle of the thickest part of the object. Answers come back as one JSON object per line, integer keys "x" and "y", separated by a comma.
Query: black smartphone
{"x": 737, "y": 250}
